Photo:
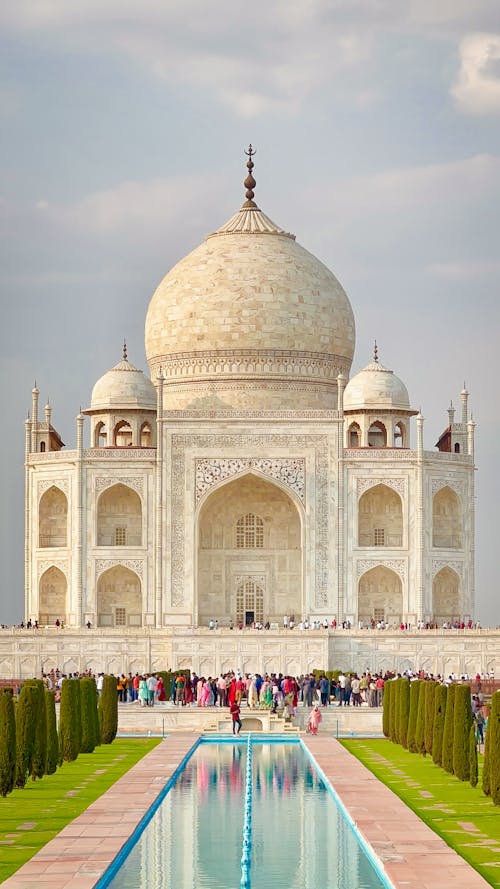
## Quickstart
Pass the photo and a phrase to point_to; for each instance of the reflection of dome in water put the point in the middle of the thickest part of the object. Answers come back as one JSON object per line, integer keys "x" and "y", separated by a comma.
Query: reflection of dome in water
{"x": 376, "y": 387}
{"x": 250, "y": 319}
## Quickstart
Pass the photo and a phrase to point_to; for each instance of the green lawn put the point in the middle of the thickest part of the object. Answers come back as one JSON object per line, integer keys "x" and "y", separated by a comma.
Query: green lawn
{"x": 462, "y": 815}
{"x": 29, "y": 818}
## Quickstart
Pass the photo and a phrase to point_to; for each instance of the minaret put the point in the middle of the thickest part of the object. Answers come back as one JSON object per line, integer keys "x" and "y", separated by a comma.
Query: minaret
{"x": 419, "y": 522}
{"x": 341, "y": 382}
{"x": 27, "y": 512}
{"x": 79, "y": 530}
{"x": 464, "y": 395}
{"x": 159, "y": 503}
{"x": 34, "y": 417}
{"x": 451, "y": 414}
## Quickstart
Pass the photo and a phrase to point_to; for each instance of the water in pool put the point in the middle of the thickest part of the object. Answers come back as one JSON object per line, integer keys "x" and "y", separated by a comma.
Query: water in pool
{"x": 299, "y": 838}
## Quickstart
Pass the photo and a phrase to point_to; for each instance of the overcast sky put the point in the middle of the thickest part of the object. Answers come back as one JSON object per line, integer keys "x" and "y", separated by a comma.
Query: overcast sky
{"x": 377, "y": 124}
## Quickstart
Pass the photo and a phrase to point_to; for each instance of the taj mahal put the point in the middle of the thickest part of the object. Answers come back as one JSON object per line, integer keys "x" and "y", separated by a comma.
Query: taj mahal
{"x": 247, "y": 476}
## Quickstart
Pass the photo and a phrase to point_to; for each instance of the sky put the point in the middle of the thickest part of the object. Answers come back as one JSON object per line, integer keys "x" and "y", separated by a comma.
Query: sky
{"x": 377, "y": 127}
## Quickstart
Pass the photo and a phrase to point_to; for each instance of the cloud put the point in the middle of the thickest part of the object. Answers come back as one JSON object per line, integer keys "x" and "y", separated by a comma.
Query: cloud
{"x": 477, "y": 87}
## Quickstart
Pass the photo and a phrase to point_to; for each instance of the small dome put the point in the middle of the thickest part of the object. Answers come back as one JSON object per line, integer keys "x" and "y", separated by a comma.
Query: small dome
{"x": 376, "y": 387}
{"x": 124, "y": 387}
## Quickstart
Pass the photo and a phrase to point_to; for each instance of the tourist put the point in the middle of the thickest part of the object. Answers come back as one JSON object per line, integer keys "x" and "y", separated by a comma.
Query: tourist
{"x": 314, "y": 720}
{"x": 235, "y": 717}
{"x": 143, "y": 692}
{"x": 151, "y": 683}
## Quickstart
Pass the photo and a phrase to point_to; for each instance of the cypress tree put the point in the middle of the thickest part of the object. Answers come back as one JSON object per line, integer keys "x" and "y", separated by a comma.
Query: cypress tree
{"x": 462, "y": 722}
{"x": 26, "y": 719}
{"x": 447, "y": 751}
{"x": 486, "y": 784}
{"x": 430, "y": 691}
{"x": 473, "y": 756}
{"x": 386, "y": 705}
{"x": 108, "y": 710}
{"x": 70, "y": 731}
{"x": 420, "y": 727}
{"x": 52, "y": 739}
{"x": 440, "y": 697}
{"x": 7, "y": 743}
{"x": 39, "y": 762}
{"x": 393, "y": 709}
{"x": 494, "y": 732}
{"x": 412, "y": 718}
{"x": 88, "y": 718}
{"x": 404, "y": 711}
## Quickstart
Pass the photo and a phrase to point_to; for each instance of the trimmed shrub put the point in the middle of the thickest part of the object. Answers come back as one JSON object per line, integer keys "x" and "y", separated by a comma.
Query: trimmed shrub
{"x": 485, "y": 782}
{"x": 447, "y": 751}
{"x": 26, "y": 721}
{"x": 70, "y": 729}
{"x": 420, "y": 726}
{"x": 412, "y": 718}
{"x": 89, "y": 719}
{"x": 108, "y": 710}
{"x": 494, "y": 733}
{"x": 403, "y": 711}
{"x": 386, "y": 707}
{"x": 430, "y": 691}
{"x": 440, "y": 697}
{"x": 393, "y": 709}
{"x": 461, "y": 729}
{"x": 52, "y": 739}
{"x": 473, "y": 756}
{"x": 7, "y": 743}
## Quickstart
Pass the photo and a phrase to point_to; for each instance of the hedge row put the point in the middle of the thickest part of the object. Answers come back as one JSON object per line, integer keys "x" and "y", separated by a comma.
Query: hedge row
{"x": 31, "y": 745}
{"x": 437, "y": 719}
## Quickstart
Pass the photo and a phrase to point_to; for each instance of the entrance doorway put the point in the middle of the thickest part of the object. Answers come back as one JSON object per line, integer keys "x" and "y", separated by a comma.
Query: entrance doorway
{"x": 249, "y": 618}
{"x": 250, "y": 601}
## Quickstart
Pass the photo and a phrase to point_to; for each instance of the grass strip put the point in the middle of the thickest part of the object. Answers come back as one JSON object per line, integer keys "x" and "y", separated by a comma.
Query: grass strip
{"x": 31, "y": 817}
{"x": 462, "y": 815}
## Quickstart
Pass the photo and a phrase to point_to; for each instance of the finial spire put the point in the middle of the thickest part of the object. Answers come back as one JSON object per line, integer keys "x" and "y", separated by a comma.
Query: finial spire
{"x": 124, "y": 350}
{"x": 250, "y": 182}
{"x": 375, "y": 352}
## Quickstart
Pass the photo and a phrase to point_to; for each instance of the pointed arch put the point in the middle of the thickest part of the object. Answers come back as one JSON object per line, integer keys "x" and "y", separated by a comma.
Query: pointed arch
{"x": 122, "y": 435}
{"x": 52, "y": 593}
{"x": 146, "y": 435}
{"x": 446, "y": 595}
{"x": 400, "y": 434}
{"x": 53, "y": 518}
{"x": 119, "y": 598}
{"x": 447, "y": 519}
{"x": 380, "y": 517}
{"x": 119, "y": 517}
{"x": 354, "y": 435}
{"x": 380, "y": 595}
{"x": 377, "y": 435}
{"x": 100, "y": 435}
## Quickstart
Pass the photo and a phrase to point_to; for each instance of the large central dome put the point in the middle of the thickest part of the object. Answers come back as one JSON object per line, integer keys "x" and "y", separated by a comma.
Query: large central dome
{"x": 250, "y": 320}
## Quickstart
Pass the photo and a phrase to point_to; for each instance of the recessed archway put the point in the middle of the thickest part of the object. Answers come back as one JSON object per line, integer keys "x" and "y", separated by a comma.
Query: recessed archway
{"x": 446, "y": 519}
{"x": 119, "y": 517}
{"x": 380, "y": 517}
{"x": 377, "y": 435}
{"x": 354, "y": 436}
{"x": 53, "y": 518}
{"x": 446, "y": 595}
{"x": 119, "y": 598}
{"x": 249, "y": 541}
{"x": 380, "y": 596}
{"x": 52, "y": 596}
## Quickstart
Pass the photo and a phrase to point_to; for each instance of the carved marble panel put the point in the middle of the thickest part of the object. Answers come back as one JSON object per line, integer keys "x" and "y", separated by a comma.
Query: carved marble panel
{"x": 397, "y": 565}
{"x": 135, "y": 482}
{"x": 397, "y": 484}
{"x": 44, "y": 565}
{"x": 290, "y": 471}
{"x": 46, "y": 483}
{"x": 136, "y": 565}
{"x": 455, "y": 565}
{"x": 456, "y": 485}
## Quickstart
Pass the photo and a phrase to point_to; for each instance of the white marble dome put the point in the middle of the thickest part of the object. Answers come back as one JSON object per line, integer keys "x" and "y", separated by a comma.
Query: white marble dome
{"x": 124, "y": 387}
{"x": 250, "y": 319}
{"x": 376, "y": 387}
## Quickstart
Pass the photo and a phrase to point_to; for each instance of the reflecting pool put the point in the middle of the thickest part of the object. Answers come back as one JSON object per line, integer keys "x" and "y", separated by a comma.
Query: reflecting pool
{"x": 299, "y": 837}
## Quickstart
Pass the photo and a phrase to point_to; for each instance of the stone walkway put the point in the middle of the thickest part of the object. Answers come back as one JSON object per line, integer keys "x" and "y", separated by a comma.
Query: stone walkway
{"x": 78, "y": 856}
{"x": 411, "y": 854}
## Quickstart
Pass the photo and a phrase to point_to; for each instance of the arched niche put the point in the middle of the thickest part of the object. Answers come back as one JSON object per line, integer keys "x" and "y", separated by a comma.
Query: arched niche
{"x": 380, "y": 517}
{"x": 380, "y": 595}
{"x": 119, "y": 517}
{"x": 100, "y": 435}
{"x": 377, "y": 435}
{"x": 446, "y": 595}
{"x": 400, "y": 435}
{"x": 122, "y": 435}
{"x": 119, "y": 598}
{"x": 249, "y": 510}
{"x": 53, "y": 518}
{"x": 52, "y": 596}
{"x": 447, "y": 519}
{"x": 354, "y": 436}
{"x": 146, "y": 435}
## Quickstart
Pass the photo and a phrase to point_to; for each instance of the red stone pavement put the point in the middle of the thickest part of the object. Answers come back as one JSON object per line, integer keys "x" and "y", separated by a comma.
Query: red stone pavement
{"x": 410, "y": 853}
